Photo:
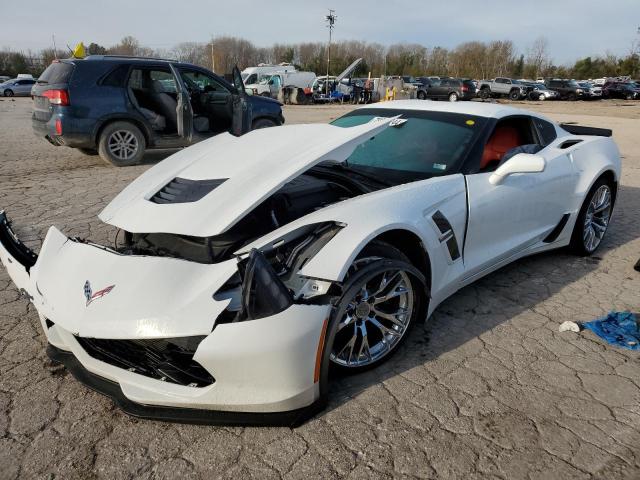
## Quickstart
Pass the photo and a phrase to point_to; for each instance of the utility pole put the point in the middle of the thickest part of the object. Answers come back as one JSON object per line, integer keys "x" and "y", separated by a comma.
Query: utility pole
{"x": 55, "y": 49}
{"x": 213, "y": 59}
{"x": 331, "y": 20}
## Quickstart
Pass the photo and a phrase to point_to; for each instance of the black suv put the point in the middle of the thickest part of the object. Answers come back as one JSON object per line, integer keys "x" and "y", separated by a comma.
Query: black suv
{"x": 121, "y": 106}
{"x": 452, "y": 89}
{"x": 567, "y": 89}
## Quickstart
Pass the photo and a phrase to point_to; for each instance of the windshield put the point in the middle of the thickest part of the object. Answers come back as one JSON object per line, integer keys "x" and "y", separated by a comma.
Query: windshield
{"x": 424, "y": 145}
{"x": 573, "y": 83}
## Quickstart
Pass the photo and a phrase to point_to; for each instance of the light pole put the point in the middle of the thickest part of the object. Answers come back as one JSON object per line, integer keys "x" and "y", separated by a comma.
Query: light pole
{"x": 331, "y": 20}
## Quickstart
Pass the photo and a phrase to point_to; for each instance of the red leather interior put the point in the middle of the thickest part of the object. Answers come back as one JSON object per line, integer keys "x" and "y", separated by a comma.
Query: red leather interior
{"x": 503, "y": 139}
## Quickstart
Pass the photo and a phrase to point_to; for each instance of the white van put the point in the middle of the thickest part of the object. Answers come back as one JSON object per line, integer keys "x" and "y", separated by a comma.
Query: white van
{"x": 253, "y": 75}
{"x": 271, "y": 87}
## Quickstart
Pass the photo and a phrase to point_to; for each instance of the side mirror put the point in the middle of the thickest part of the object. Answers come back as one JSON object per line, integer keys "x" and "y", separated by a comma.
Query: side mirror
{"x": 520, "y": 163}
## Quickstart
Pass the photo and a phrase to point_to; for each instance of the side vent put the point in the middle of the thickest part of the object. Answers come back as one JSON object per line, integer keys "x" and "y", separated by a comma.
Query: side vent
{"x": 182, "y": 190}
{"x": 557, "y": 230}
{"x": 446, "y": 234}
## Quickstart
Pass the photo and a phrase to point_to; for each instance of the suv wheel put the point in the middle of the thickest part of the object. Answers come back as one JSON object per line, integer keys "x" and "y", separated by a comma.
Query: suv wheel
{"x": 422, "y": 95}
{"x": 541, "y": 97}
{"x": 453, "y": 97}
{"x": 572, "y": 97}
{"x": 263, "y": 123}
{"x": 485, "y": 93}
{"x": 514, "y": 95}
{"x": 121, "y": 144}
{"x": 8, "y": 93}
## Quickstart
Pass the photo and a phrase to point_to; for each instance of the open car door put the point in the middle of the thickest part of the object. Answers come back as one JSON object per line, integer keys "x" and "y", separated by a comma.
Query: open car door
{"x": 241, "y": 122}
{"x": 184, "y": 111}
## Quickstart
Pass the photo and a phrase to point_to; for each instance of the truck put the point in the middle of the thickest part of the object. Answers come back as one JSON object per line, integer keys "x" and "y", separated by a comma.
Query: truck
{"x": 502, "y": 86}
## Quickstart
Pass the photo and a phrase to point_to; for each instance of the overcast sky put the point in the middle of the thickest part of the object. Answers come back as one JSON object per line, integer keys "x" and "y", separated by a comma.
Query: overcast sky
{"x": 574, "y": 28}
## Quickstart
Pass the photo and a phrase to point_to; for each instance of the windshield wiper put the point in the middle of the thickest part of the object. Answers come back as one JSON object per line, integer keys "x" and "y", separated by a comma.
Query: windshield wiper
{"x": 346, "y": 168}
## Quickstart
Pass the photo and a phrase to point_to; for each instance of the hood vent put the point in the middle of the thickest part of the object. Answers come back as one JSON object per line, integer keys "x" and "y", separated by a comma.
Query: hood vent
{"x": 182, "y": 190}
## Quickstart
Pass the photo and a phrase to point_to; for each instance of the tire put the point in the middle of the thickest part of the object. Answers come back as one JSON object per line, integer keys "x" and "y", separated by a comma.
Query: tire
{"x": 541, "y": 98}
{"x": 485, "y": 93}
{"x": 121, "y": 144}
{"x": 355, "y": 313}
{"x": 629, "y": 96}
{"x": 572, "y": 97}
{"x": 514, "y": 95}
{"x": 8, "y": 93}
{"x": 453, "y": 97}
{"x": 89, "y": 151}
{"x": 263, "y": 123}
{"x": 422, "y": 96}
{"x": 594, "y": 216}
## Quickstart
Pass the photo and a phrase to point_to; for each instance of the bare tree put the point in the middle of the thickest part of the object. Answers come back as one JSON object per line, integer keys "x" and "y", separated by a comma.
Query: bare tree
{"x": 538, "y": 56}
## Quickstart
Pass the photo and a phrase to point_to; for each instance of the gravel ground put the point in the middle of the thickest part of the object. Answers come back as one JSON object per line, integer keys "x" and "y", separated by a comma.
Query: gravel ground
{"x": 488, "y": 388}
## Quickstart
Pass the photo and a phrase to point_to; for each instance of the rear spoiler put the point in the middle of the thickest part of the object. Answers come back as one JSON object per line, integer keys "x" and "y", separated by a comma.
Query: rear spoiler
{"x": 580, "y": 130}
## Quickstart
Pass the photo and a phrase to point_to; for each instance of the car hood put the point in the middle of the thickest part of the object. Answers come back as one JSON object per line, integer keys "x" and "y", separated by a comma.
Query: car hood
{"x": 247, "y": 169}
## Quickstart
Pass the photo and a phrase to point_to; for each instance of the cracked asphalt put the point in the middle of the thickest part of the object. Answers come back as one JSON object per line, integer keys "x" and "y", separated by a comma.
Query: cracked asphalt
{"x": 488, "y": 388}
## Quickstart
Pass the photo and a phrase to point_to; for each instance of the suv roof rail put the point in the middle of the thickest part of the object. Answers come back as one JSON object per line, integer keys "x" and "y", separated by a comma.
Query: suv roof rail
{"x": 131, "y": 57}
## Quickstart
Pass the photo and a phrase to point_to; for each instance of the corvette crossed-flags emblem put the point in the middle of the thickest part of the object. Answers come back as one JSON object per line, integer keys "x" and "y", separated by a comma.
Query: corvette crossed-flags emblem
{"x": 90, "y": 296}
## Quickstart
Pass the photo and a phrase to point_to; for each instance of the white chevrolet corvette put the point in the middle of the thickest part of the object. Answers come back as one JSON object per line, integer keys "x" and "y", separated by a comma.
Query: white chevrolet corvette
{"x": 247, "y": 267}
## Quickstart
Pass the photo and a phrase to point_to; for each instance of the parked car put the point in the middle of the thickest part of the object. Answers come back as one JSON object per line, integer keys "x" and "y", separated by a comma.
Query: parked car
{"x": 452, "y": 89}
{"x": 502, "y": 86}
{"x": 122, "y": 106}
{"x": 540, "y": 92}
{"x": 567, "y": 89}
{"x": 625, "y": 90}
{"x": 240, "y": 281}
{"x": 591, "y": 90}
{"x": 423, "y": 84}
{"x": 18, "y": 87}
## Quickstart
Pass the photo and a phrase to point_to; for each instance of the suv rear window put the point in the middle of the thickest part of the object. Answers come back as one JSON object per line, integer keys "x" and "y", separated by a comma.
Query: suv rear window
{"x": 57, "y": 72}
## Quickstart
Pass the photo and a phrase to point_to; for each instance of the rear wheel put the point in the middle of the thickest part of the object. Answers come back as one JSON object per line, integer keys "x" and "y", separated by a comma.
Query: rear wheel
{"x": 263, "y": 123}
{"x": 121, "y": 144}
{"x": 593, "y": 218}
{"x": 541, "y": 97}
{"x": 382, "y": 299}
{"x": 514, "y": 95}
{"x": 485, "y": 93}
{"x": 8, "y": 93}
{"x": 453, "y": 97}
{"x": 572, "y": 97}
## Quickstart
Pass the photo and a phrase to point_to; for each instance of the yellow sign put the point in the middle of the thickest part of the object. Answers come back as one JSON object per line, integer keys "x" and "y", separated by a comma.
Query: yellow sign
{"x": 79, "y": 52}
{"x": 470, "y": 122}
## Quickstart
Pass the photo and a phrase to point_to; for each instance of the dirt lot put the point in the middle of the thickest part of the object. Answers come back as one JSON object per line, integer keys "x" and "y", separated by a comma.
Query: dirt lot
{"x": 487, "y": 389}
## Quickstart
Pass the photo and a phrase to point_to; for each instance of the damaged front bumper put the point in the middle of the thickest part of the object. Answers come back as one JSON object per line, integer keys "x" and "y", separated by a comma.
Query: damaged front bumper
{"x": 266, "y": 371}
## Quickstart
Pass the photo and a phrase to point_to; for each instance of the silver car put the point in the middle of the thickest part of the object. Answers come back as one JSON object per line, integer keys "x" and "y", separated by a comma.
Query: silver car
{"x": 19, "y": 87}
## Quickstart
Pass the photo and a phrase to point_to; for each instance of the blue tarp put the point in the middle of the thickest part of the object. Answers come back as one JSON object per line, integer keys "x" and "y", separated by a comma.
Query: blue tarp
{"x": 617, "y": 328}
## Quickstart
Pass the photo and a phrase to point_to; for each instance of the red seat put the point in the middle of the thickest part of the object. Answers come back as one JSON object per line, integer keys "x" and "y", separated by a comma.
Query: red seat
{"x": 504, "y": 138}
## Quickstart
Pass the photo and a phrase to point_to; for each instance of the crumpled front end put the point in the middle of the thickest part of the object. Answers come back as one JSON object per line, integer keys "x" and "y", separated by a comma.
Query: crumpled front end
{"x": 172, "y": 339}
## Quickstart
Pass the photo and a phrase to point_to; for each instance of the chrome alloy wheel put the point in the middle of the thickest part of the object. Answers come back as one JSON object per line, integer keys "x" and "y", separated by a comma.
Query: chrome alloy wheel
{"x": 123, "y": 144}
{"x": 597, "y": 217}
{"x": 375, "y": 320}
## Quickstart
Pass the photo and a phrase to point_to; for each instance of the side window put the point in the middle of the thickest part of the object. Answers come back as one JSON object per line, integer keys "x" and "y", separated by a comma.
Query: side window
{"x": 116, "y": 77}
{"x": 203, "y": 82}
{"x": 163, "y": 82}
{"x": 511, "y": 135}
{"x": 546, "y": 130}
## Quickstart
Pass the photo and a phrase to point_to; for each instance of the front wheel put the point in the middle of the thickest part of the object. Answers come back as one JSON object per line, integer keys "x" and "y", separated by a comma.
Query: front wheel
{"x": 8, "y": 93}
{"x": 383, "y": 298}
{"x": 121, "y": 144}
{"x": 593, "y": 219}
{"x": 422, "y": 96}
{"x": 453, "y": 97}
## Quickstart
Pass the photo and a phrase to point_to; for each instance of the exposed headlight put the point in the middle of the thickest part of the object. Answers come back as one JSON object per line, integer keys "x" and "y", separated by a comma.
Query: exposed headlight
{"x": 579, "y": 90}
